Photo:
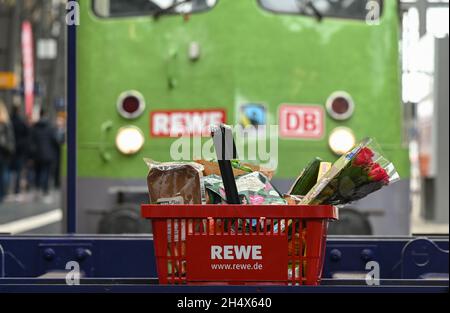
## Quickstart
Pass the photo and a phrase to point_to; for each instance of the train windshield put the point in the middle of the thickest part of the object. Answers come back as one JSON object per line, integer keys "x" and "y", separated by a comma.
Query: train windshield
{"x": 350, "y": 9}
{"x": 117, "y": 8}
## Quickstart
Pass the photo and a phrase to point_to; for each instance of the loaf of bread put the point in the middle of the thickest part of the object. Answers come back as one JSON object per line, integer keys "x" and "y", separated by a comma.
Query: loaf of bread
{"x": 175, "y": 183}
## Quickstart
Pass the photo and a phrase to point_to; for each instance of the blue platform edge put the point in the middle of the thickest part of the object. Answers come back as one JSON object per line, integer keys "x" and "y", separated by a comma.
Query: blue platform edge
{"x": 126, "y": 263}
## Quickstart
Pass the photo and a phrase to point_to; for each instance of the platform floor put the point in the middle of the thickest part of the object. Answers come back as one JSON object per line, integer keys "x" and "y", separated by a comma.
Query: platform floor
{"x": 31, "y": 213}
{"x": 420, "y": 226}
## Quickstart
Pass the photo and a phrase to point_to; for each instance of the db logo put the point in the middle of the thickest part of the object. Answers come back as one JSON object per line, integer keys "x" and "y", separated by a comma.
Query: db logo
{"x": 303, "y": 122}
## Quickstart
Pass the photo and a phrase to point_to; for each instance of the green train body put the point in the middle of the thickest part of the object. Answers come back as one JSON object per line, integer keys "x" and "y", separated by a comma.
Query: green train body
{"x": 248, "y": 55}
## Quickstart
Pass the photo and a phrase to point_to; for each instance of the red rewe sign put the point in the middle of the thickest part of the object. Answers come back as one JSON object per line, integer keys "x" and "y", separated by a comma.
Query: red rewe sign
{"x": 185, "y": 122}
{"x": 237, "y": 258}
{"x": 302, "y": 122}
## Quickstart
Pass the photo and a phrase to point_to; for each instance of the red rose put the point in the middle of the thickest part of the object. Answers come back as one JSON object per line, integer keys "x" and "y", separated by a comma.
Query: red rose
{"x": 363, "y": 158}
{"x": 377, "y": 173}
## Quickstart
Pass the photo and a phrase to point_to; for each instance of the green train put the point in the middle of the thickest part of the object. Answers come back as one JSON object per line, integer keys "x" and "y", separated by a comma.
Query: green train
{"x": 326, "y": 72}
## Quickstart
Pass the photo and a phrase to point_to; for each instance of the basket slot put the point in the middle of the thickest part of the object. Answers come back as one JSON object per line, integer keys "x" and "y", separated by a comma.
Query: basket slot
{"x": 296, "y": 250}
{"x": 172, "y": 250}
{"x": 179, "y": 256}
{"x": 302, "y": 252}
{"x": 220, "y": 227}
{"x": 198, "y": 227}
{"x": 292, "y": 253}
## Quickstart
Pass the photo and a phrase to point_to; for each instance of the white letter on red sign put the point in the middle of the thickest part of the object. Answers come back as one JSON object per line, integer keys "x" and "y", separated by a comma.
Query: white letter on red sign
{"x": 160, "y": 124}
{"x": 242, "y": 252}
{"x": 216, "y": 253}
{"x": 256, "y": 253}
{"x": 228, "y": 252}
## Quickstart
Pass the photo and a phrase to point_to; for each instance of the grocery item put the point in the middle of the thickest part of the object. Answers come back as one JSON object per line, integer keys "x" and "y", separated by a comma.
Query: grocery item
{"x": 323, "y": 169}
{"x": 253, "y": 188}
{"x": 355, "y": 175}
{"x": 307, "y": 178}
{"x": 175, "y": 183}
{"x": 293, "y": 199}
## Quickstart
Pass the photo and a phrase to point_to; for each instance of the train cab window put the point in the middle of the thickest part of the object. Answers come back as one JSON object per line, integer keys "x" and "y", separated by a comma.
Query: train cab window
{"x": 349, "y": 9}
{"x": 118, "y": 8}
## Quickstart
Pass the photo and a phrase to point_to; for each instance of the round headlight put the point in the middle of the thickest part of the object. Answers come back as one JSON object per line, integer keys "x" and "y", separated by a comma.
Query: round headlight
{"x": 340, "y": 106}
{"x": 131, "y": 104}
{"x": 341, "y": 140}
{"x": 129, "y": 140}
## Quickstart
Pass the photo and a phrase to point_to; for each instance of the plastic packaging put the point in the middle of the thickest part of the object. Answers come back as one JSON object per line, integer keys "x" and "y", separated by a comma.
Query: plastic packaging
{"x": 175, "y": 183}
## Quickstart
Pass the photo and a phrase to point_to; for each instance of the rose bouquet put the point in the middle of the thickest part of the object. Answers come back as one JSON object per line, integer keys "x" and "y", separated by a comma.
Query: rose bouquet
{"x": 355, "y": 175}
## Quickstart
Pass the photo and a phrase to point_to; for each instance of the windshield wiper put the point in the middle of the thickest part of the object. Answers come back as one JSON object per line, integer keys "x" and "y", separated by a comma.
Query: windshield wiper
{"x": 162, "y": 11}
{"x": 303, "y": 4}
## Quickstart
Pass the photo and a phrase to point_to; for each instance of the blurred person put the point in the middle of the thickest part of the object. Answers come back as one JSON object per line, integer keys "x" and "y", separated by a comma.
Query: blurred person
{"x": 60, "y": 138}
{"x": 43, "y": 144}
{"x": 7, "y": 147}
{"x": 29, "y": 163}
{"x": 21, "y": 135}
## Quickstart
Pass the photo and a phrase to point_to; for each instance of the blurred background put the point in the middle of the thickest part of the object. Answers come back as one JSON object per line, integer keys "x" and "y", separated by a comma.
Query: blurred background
{"x": 32, "y": 88}
{"x": 363, "y": 68}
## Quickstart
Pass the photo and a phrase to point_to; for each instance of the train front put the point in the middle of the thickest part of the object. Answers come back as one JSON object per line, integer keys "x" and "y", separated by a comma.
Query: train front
{"x": 313, "y": 77}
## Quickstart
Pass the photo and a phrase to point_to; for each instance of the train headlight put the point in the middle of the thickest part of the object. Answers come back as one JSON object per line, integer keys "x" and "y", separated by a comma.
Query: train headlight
{"x": 341, "y": 140}
{"x": 131, "y": 104}
{"x": 340, "y": 106}
{"x": 129, "y": 140}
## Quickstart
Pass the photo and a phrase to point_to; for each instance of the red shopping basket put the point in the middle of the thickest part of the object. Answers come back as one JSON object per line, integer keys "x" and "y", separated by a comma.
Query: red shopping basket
{"x": 239, "y": 244}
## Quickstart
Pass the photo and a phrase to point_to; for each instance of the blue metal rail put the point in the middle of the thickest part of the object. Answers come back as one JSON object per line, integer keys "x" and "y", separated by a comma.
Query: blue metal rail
{"x": 117, "y": 286}
{"x": 127, "y": 264}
